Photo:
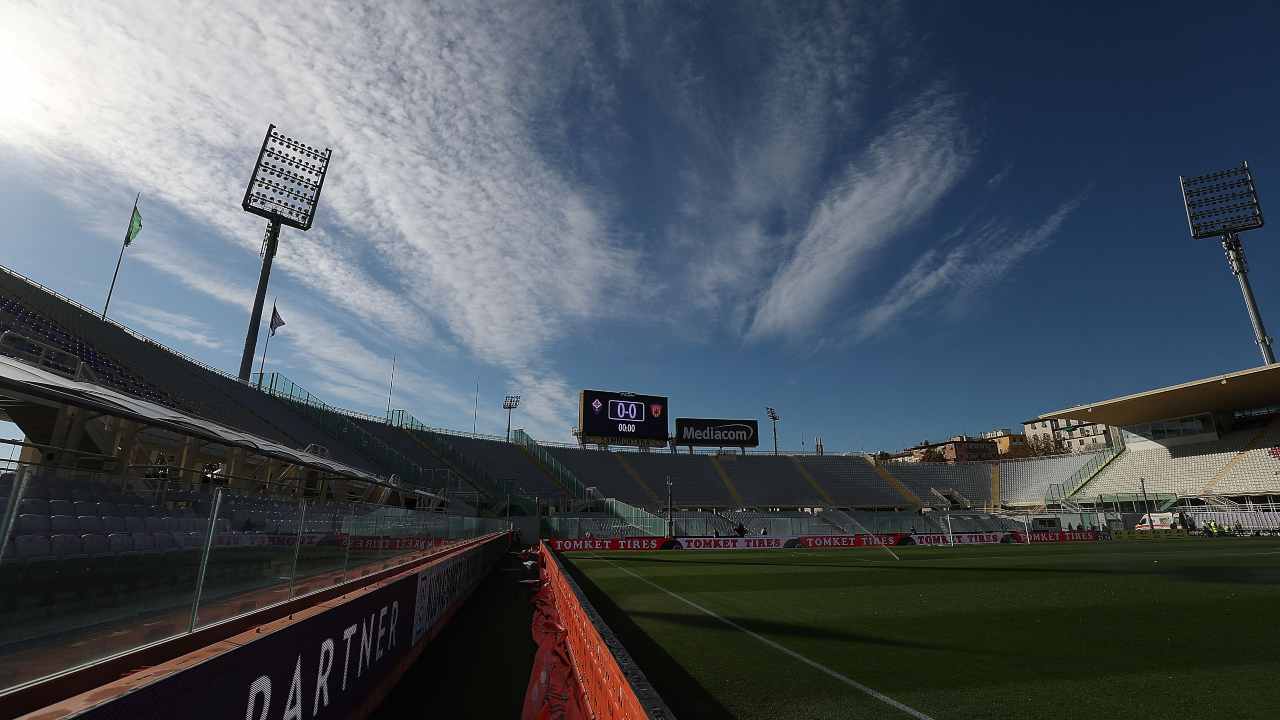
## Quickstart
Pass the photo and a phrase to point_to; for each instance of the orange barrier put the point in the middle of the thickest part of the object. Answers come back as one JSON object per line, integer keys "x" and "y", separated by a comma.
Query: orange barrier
{"x": 581, "y": 669}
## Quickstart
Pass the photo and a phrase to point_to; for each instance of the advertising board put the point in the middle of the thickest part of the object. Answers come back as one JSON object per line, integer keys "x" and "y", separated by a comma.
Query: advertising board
{"x": 715, "y": 432}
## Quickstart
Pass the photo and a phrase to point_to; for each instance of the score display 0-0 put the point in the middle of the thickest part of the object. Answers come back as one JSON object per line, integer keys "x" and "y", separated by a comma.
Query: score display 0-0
{"x": 606, "y": 414}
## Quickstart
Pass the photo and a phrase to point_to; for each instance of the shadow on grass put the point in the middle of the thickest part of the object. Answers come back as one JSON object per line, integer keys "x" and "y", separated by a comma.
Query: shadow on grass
{"x": 683, "y": 694}
{"x": 774, "y": 629}
{"x": 1196, "y": 573}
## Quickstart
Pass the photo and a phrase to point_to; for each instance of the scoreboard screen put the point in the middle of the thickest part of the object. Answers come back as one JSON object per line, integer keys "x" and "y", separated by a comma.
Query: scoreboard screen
{"x": 603, "y": 414}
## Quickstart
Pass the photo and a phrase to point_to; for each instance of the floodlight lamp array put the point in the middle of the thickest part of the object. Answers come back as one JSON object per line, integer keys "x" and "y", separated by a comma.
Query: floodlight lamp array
{"x": 511, "y": 402}
{"x": 1221, "y": 203}
{"x": 286, "y": 181}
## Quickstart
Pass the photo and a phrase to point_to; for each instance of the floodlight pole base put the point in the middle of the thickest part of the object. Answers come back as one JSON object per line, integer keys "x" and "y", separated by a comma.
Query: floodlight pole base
{"x": 251, "y": 339}
{"x": 1235, "y": 258}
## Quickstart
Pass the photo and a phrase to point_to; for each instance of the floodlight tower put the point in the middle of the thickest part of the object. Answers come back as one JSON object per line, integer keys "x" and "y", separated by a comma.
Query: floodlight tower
{"x": 773, "y": 415}
{"x": 509, "y": 403}
{"x": 1224, "y": 204}
{"x": 284, "y": 189}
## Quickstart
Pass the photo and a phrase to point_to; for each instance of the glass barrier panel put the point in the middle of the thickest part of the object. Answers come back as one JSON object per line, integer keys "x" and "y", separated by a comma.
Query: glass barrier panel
{"x": 252, "y": 558}
{"x": 322, "y": 552}
{"x": 91, "y": 568}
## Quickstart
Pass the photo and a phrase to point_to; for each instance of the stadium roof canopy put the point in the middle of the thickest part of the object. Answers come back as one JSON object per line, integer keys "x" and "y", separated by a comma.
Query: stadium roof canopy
{"x": 21, "y": 381}
{"x": 1241, "y": 390}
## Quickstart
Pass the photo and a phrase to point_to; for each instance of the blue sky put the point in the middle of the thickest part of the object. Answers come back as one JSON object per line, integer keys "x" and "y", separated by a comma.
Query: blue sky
{"x": 893, "y": 222}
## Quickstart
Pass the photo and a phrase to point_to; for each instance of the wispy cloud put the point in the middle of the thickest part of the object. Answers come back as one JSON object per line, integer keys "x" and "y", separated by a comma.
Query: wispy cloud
{"x": 981, "y": 258}
{"x": 902, "y": 175}
{"x": 442, "y": 214}
{"x": 998, "y": 179}
{"x": 165, "y": 324}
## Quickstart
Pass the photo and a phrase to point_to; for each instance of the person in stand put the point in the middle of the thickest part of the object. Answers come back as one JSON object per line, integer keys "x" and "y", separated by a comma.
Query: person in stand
{"x": 764, "y": 531}
{"x": 741, "y": 530}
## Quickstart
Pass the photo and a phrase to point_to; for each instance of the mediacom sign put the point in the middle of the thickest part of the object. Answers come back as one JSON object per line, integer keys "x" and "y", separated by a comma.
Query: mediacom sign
{"x": 713, "y": 432}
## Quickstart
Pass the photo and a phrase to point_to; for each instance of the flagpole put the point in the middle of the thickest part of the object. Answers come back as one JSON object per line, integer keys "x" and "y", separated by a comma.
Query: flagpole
{"x": 267, "y": 344}
{"x": 476, "y": 411}
{"x": 120, "y": 259}
{"x": 392, "y": 386}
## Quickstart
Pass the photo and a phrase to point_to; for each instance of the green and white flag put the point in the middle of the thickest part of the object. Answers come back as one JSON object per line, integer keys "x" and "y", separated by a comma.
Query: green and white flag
{"x": 135, "y": 227}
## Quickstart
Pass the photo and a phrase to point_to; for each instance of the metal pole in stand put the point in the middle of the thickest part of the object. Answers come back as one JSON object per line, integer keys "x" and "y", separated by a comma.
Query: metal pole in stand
{"x": 1235, "y": 258}
{"x": 297, "y": 545}
{"x": 671, "y": 529}
{"x": 204, "y": 558}
{"x": 251, "y": 339}
{"x": 1146, "y": 504}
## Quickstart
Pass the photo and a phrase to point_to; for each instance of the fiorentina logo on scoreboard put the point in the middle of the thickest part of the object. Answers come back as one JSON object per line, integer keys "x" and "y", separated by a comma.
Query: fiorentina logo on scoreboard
{"x": 622, "y": 416}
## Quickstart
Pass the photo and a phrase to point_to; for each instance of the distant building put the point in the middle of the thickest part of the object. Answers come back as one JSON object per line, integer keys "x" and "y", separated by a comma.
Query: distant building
{"x": 1067, "y": 435}
{"x": 1008, "y": 443}
{"x": 959, "y": 449}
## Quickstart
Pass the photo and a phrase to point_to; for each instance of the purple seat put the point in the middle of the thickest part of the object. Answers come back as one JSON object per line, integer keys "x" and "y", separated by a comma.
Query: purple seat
{"x": 120, "y": 542}
{"x": 32, "y": 547}
{"x": 33, "y": 525}
{"x": 143, "y": 542}
{"x": 65, "y": 545}
{"x": 33, "y": 506}
{"x": 90, "y": 524}
{"x": 164, "y": 542}
{"x": 95, "y": 545}
{"x": 63, "y": 524}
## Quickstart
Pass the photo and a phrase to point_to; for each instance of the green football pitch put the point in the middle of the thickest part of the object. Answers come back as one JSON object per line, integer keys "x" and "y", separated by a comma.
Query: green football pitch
{"x": 1170, "y": 628}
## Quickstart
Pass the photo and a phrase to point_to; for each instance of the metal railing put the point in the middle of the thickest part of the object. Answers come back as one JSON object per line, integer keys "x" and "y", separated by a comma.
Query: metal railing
{"x": 95, "y": 565}
{"x": 563, "y": 476}
{"x": 1085, "y": 473}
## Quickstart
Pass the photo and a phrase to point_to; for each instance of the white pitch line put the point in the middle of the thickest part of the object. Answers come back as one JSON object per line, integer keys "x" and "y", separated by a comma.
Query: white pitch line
{"x": 782, "y": 648}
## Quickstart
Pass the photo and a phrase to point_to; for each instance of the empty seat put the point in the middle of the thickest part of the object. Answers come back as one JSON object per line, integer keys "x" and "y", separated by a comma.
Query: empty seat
{"x": 90, "y": 524}
{"x": 143, "y": 542}
{"x": 63, "y": 523}
{"x": 95, "y": 545}
{"x": 65, "y": 545}
{"x": 105, "y": 508}
{"x": 120, "y": 542}
{"x": 155, "y": 524}
{"x": 34, "y": 506}
{"x": 111, "y": 523}
{"x": 165, "y": 542}
{"x": 86, "y": 508}
{"x": 31, "y": 547}
{"x": 33, "y": 525}
{"x": 134, "y": 524}
{"x": 62, "y": 507}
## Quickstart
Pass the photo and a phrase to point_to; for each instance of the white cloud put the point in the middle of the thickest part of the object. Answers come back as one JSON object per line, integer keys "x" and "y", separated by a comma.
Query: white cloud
{"x": 441, "y": 211}
{"x": 902, "y": 175}
{"x": 980, "y": 260}
{"x": 167, "y": 324}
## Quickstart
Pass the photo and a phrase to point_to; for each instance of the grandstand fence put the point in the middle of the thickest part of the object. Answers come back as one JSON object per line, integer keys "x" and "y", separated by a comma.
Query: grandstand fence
{"x": 96, "y": 564}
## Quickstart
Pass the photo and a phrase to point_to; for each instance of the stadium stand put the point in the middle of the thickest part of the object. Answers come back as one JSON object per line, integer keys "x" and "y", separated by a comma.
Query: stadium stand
{"x": 851, "y": 481}
{"x": 1027, "y": 481}
{"x": 1239, "y": 462}
{"x": 971, "y": 480}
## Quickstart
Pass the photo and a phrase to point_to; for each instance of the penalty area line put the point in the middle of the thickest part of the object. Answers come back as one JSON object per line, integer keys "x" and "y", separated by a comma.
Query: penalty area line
{"x": 781, "y": 648}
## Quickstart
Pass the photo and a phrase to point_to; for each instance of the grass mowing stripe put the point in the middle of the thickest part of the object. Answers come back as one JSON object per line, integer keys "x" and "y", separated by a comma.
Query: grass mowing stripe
{"x": 779, "y": 647}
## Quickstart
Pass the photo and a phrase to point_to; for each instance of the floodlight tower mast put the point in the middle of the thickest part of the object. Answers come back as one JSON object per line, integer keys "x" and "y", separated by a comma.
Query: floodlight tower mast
{"x": 284, "y": 189}
{"x": 509, "y": 403}
{"x": 1222, "y": 205}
